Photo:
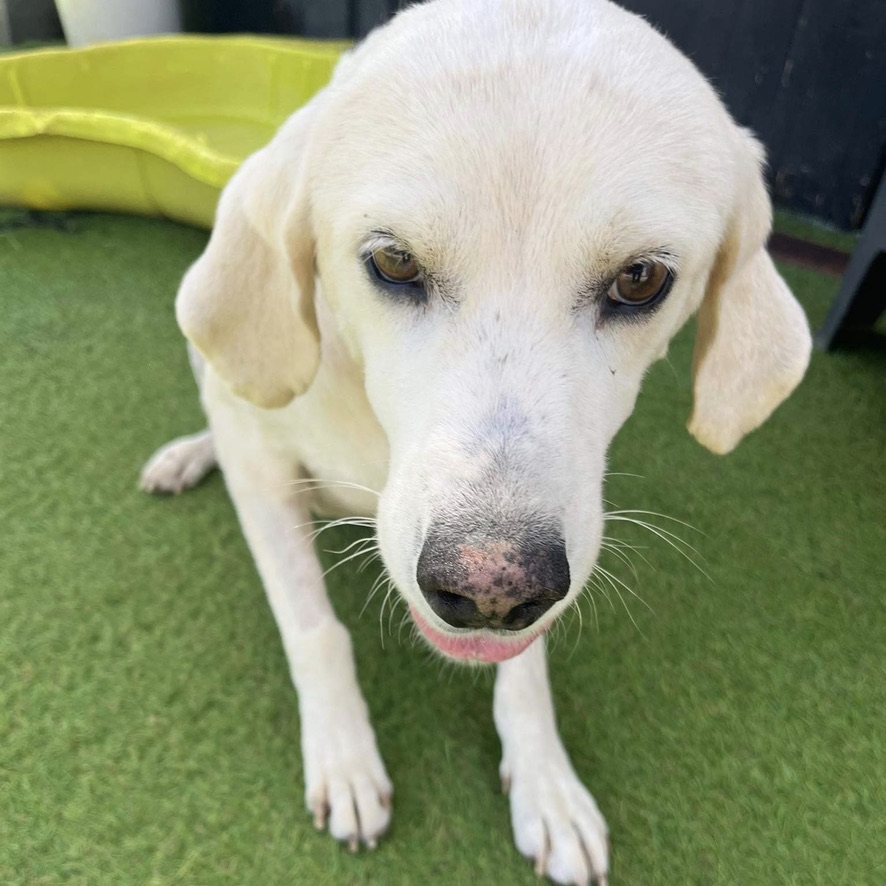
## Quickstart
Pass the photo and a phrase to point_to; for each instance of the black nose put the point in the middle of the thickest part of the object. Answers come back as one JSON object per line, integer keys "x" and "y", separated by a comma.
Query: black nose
{"x": 492, "y": 583}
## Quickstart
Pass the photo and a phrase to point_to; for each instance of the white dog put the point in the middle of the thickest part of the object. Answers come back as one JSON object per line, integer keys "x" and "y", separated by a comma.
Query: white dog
{"x": 437, "y": 290}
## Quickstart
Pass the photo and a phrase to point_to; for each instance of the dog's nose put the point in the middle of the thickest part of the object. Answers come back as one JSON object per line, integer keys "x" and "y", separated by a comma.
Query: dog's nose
{"x": 492, "y": 583}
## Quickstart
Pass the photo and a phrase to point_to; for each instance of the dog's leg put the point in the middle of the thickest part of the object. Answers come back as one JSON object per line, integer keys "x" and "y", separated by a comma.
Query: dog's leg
{"x": 554, "y": 818}
{"x": 185, "y": 461}
{"x": 346, "y": 785}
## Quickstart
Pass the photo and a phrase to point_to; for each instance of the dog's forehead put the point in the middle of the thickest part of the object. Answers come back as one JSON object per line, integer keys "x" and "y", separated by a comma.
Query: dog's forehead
{"x": 564, "y": 138}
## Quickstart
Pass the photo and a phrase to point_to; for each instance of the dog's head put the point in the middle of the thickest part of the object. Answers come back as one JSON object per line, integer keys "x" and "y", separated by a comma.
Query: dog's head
{"x": 512, "y": 208}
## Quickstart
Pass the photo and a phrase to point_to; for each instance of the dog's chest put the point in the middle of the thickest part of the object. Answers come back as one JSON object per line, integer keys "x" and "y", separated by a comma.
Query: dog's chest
{"x": 329, "y": 434}
{"x": 334, "y": 437}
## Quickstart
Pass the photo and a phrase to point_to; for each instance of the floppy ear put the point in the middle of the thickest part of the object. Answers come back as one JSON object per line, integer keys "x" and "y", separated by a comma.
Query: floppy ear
{"x": 753, "y": 341}
{"x": 247, "y": 303}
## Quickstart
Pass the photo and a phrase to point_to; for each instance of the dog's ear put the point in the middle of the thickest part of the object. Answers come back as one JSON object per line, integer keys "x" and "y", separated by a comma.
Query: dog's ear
{"x": 753, "y": 341}
{"x": 247, "y": 304}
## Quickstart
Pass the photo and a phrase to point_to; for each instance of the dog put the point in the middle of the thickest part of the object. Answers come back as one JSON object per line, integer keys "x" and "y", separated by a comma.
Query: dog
{"x": 430, "y": 301}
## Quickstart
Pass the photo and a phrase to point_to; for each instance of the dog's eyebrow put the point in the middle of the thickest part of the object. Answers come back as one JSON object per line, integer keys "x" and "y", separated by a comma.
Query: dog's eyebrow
{"x": 381, "y": 237}
{"x": 664, "y": 254}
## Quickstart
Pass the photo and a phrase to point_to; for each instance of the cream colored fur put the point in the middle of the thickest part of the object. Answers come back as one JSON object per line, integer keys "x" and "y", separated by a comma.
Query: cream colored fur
{"x": 525, "y": 150}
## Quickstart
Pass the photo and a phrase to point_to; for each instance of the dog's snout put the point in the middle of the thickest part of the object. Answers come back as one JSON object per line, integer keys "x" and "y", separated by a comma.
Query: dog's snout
{"x": 492, "y": 583}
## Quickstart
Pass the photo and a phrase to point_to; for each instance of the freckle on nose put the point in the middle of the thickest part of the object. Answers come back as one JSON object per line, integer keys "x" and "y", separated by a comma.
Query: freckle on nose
{"x": 493, "y": 583}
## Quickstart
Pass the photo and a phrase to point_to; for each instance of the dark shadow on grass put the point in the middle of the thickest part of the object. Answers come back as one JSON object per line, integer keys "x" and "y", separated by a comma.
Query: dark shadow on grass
{"x": 18, "y": 219}
{"x": 867, "y": 344}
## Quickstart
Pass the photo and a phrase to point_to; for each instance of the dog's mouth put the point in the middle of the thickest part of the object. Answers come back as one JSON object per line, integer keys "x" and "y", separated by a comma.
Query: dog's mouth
{"x": 483, "y": 646}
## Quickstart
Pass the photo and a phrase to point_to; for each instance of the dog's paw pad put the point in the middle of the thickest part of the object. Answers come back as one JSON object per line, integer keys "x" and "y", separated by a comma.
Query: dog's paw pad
{"x": 557, "y": 824}
{"x": 179, "y": 465}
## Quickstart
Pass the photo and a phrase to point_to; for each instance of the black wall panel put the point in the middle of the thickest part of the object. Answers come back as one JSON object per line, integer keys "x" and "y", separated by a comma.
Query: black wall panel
{"x": 808, "y": 76}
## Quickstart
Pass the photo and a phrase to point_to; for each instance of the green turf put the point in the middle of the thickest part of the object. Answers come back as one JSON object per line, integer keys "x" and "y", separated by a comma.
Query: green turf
{"x": 814, "y": 231}
{"x": 148, "y": 731}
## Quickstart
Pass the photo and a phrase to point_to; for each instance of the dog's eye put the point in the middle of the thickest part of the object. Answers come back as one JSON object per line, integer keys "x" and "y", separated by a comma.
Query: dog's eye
{"x": 640, "y": 283}
{"x": 393, "y": 266}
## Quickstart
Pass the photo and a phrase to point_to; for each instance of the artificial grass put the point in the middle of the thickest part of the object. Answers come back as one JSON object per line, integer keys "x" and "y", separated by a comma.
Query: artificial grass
{"x": 814, "y": 231}
{"x": 148, "y": 730}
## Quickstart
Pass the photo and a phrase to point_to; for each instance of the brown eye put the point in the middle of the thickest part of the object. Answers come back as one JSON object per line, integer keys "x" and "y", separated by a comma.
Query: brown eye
{"x": 394, "y": 266}
{"x": 640, "y": 283}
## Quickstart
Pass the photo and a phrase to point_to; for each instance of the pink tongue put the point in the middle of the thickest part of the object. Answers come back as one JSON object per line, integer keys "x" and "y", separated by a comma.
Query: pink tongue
{"x": 472, "y": 647}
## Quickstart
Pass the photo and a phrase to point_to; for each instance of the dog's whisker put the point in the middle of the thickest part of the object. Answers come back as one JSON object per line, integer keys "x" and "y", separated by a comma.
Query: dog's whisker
{"x": 577, "y": 616}
{"x": 609, "y": 578}
{"x": 312, "y": 483}
{"x": 371, "y": 557}
{"x": 363, "y": 552}
{"x": 395, "y": 600}
{"x": 557, "y": 633}
{"x": 656, "y": 514}
{"x": 595, "y": 583}
{"x": 376, "y": 586}
{"x": 663, "y": 535}
{"x": 627, "y": 587}
{"x": 552, "y": 637}
{"x": 369, "y": 546}
{"x": 593, "y": 604}
{"x": 587, "y": 592}
{"x": 609, "y": 541}
{"x": 362, "y": 540}
{"x": 360, "y": 522}
{"x": 415, "y": 636}
{"x": 392, "y": 599}
{"x": 618, "y": 546}
{"x": 381, "y": 614}
{"x": 618, "y": 552}
{"x": 365, "y": 542}
{"x": 673, "y": 540}
{"x": 619, "y": 542}
{"x": 403, "y": 621}
{"x": 379, "y": 581}
{"x": 322, "y": 527}
{"x": 370, "y": 596}
{"x": 615, "y": 582}
{"x": 621, "y": 555}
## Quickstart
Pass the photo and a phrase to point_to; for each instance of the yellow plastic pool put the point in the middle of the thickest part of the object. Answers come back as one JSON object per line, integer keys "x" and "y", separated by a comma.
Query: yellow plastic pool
{"x": 151, "y": 126}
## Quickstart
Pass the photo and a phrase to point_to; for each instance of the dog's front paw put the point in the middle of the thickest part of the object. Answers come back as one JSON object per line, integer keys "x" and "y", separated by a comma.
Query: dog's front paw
{"x": 555, "y": 820}
{"x": 346, "y": 786}
{"x": 179, "y": 465}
